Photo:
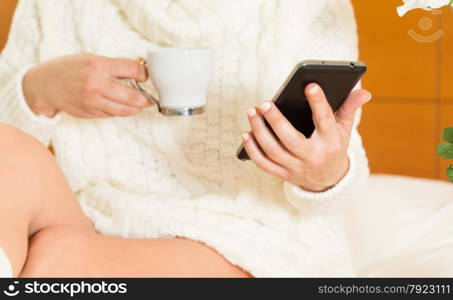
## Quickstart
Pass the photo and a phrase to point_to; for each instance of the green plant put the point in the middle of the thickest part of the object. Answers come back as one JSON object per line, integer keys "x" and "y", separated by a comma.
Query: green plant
{"x": 446, "y": 150}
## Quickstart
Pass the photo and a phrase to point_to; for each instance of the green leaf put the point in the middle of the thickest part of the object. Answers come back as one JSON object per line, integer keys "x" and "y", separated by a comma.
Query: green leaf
{"x": 445, "y": 151}
{"x": 450, "y": 173}
{"x": 448, "y": 135}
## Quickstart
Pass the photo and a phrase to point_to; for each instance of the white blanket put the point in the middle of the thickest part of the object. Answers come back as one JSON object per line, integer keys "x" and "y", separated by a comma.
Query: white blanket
{"x": 403, "y": 227}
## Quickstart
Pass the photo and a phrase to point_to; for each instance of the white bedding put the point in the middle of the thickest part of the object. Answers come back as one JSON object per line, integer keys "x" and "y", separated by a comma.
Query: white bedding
{"x": 403, "y": 227}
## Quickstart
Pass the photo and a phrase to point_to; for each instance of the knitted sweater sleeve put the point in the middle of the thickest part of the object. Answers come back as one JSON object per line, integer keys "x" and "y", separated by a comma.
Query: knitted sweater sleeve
{"x": 20, "y": 54}
{"x": 345, "y": 191}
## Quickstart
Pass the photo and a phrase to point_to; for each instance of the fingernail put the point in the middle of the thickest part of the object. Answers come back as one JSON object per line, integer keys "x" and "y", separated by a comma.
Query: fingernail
{"x": 252, "y": 112}
{"x": 246, "y": 137}
{"x": 265, "y": 107}
{"x": 314, "y": 88}
{"x": 370, "y": 96}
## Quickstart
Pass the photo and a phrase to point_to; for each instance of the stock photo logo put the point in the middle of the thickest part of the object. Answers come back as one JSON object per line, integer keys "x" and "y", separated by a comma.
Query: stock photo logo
{"x": 426, "y": 24}
{"x": 64, "y": 288}
{"x": 11, "y": 290}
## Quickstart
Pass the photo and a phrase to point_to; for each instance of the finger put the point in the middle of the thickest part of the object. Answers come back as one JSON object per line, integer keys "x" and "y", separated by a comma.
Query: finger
{"x": 125, "y": 95}
{"x": 290, "y": 137}
{"x": 99, "y": 115}
{"x": 77, "y": 112}
{"x": 346, "y": 113}
{"x": 115, "y": 109}
{"x": 260, "y": 160}
{"x": 126, "y": 68}
{"x": 267, "y": 140}
{"x": 96, "y": 114}
{"x": 323, "y": 116}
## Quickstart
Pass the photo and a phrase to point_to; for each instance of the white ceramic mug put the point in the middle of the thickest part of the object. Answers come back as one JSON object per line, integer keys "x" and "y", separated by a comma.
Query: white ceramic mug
{"x": 182, "y": 77}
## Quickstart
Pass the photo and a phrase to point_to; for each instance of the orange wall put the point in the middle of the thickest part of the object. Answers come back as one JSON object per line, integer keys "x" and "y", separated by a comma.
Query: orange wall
{"x": 412, "y": 86}
{"x": 6, "y": 11}
{"x": 412, "y": 83}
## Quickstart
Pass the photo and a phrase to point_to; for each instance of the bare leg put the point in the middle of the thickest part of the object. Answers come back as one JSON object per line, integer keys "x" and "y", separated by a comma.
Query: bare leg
{"x": 78, "y": 254}
{"x": 33, "y": 195}
{"x": 44, "y": 232}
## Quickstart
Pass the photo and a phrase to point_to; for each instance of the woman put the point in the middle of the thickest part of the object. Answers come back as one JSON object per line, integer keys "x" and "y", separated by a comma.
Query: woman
{"x": 173, "y": 184}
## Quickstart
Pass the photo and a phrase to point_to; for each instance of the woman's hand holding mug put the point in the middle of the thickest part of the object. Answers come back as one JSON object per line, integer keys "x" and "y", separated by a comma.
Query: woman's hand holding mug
{"x": 85, "y": 86}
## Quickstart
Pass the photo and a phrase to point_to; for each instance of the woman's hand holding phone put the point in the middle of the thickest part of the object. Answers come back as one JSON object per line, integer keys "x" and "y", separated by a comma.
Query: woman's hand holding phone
{"x": 316, "y": 163}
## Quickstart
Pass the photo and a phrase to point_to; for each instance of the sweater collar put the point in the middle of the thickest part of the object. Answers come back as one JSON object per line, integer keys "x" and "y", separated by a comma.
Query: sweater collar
{"x": 184, "y": 22}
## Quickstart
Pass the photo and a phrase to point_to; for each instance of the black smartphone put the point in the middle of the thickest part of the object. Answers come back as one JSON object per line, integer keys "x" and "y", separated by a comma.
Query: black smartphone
{"x": 337, "y": 79}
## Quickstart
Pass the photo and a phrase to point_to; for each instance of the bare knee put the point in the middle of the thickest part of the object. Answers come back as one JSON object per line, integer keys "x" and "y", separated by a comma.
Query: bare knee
{"x": 23, "y": 161}
{"x": 57, "y": 252}
{"x": 22, "y": 157}
{"x": 17, "y": 144}
{"x": 32, "y": 182}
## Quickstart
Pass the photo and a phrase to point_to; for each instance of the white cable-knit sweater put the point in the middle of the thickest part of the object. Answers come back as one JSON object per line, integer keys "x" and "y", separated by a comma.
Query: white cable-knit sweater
{"x": 152, "y": 176}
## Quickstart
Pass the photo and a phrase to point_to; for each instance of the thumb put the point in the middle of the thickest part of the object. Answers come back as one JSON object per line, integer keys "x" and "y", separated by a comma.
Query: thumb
{"x": 346, "y": 114}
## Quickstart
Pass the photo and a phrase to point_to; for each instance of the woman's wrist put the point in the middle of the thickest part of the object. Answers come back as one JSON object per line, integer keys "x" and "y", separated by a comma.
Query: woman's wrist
{"x": 34, "y": 101}
{"x": 329, "y": 184}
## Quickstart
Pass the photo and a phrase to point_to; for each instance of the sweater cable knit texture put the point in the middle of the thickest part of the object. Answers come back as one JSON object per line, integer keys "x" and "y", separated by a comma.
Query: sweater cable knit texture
{"x": 151, "y": 176}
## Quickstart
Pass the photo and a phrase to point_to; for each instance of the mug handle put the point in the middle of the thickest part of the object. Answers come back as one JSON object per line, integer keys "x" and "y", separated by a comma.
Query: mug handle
{"x": 137, "y": 85}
